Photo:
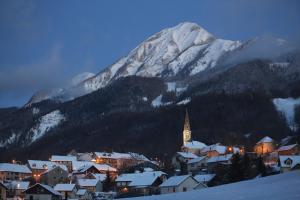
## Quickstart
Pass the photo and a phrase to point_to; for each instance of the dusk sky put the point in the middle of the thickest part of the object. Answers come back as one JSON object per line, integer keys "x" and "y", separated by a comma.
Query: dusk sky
{"x": 45, "y": 43}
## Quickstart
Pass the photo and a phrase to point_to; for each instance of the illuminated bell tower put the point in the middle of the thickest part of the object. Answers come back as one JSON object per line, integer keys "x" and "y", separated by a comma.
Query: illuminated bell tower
{"x": 187, "y": 134}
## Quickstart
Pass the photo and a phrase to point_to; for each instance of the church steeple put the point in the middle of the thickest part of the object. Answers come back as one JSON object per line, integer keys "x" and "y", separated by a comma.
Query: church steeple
{"x": 187, "y": 134}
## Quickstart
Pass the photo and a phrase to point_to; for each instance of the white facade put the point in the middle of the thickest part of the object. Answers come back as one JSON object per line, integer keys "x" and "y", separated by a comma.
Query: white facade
{"x": 188, "y": 184}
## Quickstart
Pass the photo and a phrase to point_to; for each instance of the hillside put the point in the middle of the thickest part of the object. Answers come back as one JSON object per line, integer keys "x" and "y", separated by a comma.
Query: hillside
{"x": 271, "y": 187}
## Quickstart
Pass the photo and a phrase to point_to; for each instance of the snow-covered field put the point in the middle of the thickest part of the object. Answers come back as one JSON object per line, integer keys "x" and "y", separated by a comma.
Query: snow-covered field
{"x": 278, "y": 187}
{"x": 287, "y": 108}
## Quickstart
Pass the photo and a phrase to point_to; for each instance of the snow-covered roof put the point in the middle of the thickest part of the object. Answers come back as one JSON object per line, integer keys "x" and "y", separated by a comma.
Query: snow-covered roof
{"x": 195, "y": 145}
{"x": 54, "y": 167}
{"x": 8, "y": 167}
{"x": 84, "y": 168}
{"x": 47, "y": 187}
{"x": 87, "y": 182}
{"x": 133, "y": 176}
{"x": 295, "y": 161}
{"x": 139, "y": 157}
{"x": 64, "y": 187}
{"x": 79, "y": 164}
{"x": 187, "y": 155}
{"x": 204, "y": 177}
{"x": 105, "y": 167}
{"x": 287, "y": 147}
{"x": 81, "y": 192}
{"x": 222, "y": 158}
{"x": 195, "y": 160}
{"x": 145, "y": 180}
{"x": 17, "y": 185}
{"x": 85, "y": 156}
{"x": 101, "y": 167}
{"x": 41, "y": 164}
{"x": 113, "y": 155}
{"x": 174, "y": 181}
{"x": 215, "y": 147}
{"x": 63, "y": 158}
{"x": 116, "y": 155}
{"x": 265, "y": 140}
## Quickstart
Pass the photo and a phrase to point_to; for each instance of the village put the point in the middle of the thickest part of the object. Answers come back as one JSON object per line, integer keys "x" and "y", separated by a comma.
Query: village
{"x": 110, "y": 175}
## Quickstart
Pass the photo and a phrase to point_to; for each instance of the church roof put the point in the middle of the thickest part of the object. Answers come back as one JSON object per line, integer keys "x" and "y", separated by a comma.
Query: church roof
{"x": 186, "y": 121}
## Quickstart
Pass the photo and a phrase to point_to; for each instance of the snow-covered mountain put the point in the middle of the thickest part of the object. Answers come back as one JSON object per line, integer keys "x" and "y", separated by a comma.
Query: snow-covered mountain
{"x": 186, "y": 50}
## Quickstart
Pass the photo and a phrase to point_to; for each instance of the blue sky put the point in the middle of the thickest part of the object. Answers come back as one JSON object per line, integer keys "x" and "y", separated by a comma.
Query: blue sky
{"x": 45, "y": 43}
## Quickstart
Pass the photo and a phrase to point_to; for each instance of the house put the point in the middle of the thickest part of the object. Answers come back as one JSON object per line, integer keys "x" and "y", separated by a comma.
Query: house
{"x": 193, "y": 147}
{"x": 145, "y": 183}
{"x": 40, "y": 166}
{"x": 288, "y": 163}
{"x": 102, "y": 168}
{"x": 197, "y": 164}
{"x": 204, "y": 178}
{"x": 54, "y": 176}
{"x": 265, "y": 146}
{"x": 82, "y": 194}
{"x": 218, "y": 150}
{"x": 212, "y": 162}
{"x": 10, "y": 171}
{"x": 3, "y": 190}
{"x": 15, "y": 189}
{"x": 40, "y": 191}
{"x": 64, "y": 160}
{"x": 67, "y": 190}
{"x": 293, "y": 149}
{"x": 85, "y": 169}
{"x": 178, "y": 184}
{"x": 91, "y": 185}
{"x": 182, "y": 157}
{"x": 116, "y": 160}
{"x": 100, "y": 177}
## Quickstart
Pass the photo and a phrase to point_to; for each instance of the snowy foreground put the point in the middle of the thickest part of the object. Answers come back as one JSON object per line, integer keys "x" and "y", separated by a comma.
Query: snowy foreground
{"x": 277, "y": 187}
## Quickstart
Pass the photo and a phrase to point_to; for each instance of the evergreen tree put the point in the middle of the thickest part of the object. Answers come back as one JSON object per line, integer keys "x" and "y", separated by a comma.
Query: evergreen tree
{"x": 246, "y": 166}
{"x": 236, "y": 169}
{"x": 260, "y": 165}
{"x": 183, "y": 168}
{"x": 108, "y": 182}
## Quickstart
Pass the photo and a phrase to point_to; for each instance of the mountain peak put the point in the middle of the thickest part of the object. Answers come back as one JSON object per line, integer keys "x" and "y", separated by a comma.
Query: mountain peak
{"x": 179, "y": 51}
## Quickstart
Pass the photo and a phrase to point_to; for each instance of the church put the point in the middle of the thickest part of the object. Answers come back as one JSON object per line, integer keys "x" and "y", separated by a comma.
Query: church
{"x": 190, "y": 145}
